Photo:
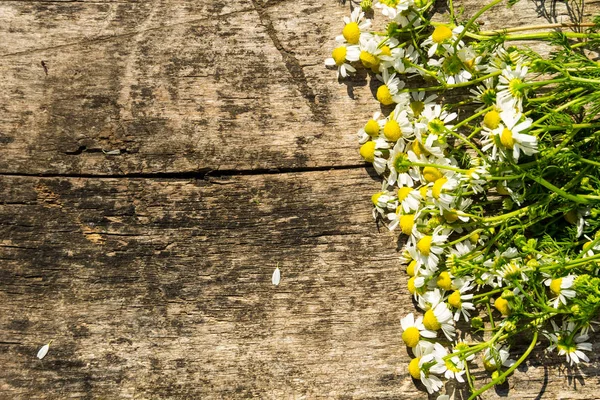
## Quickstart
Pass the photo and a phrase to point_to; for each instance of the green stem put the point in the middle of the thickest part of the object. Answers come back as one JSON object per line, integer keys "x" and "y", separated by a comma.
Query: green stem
{"x": 509, "y": 370}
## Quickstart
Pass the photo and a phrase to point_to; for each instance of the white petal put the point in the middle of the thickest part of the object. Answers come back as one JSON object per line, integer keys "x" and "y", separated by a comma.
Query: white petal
{"x": 276, "y": 277}
{"x": 43, "y": 351}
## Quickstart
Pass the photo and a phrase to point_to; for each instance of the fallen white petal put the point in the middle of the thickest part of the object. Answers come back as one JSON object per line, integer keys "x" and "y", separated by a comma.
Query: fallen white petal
{"x": 43, "y": 351}
{"x": 276, "y": 277}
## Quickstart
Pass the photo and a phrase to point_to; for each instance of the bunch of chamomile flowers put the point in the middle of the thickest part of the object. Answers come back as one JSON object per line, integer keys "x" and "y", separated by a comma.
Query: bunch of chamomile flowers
{"x": 497, "y": 210}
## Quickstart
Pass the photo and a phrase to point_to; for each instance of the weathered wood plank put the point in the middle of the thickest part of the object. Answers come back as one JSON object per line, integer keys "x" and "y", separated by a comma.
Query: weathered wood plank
{"x": 162, "y": 289}
{"x": 176, "y": 86}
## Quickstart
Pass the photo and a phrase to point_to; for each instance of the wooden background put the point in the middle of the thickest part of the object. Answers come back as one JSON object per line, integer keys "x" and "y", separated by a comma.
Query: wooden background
{"x": 150, "y": 269}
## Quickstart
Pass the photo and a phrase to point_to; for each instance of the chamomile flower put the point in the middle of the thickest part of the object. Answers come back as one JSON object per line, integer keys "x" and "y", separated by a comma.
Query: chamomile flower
{"x": 510, "y": 94}
{"x": 437, "y": 119}
{"x": 413, "y": 330}
{"x": 391, "y": 8}
{"x": 409, "y": 199}
{"x": 497, "y": 355}
{"x": 440, "y": 317}
{"x": 485, "y": 93}
{"x": 451, "y": 367}
{"x": 340, "y": 56}
{"x": 370, "y": 51}
{"x": 459, "y": 301}
{"x": 402, "y": 60}
{"x": 507, "y": 137}
{"x": 441, "y": 192}
{"x": 401, "y": 171}
{"x": 441, "y": 40}
{"x": 562, "y": 289}
{"x": 373, "y": 152}
{"x": 372, "y": 128}
{"x": 429, "y": 247}
{"x": 388, "y": 94}
{"x": 419, "y": 102}
{"x": 355, "y": 26}
{"x": 431, "y": 382}
{"x": 568, "y": 343}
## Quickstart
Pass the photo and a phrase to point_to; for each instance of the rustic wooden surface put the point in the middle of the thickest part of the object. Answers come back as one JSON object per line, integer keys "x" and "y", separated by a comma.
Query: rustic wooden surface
{"x": 150, "y": 270}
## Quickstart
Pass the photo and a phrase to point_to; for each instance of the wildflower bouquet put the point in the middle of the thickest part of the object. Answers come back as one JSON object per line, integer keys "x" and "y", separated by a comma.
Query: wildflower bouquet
{"x": 498, "y": 209}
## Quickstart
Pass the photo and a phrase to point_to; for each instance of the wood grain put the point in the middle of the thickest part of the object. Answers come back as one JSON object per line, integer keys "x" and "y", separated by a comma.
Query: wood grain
{"x": 162, "y": 289}
{"x": 156, "y": 286}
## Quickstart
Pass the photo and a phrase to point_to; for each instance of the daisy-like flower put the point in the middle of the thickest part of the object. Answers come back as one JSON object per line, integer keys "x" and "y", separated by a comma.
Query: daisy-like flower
{"x": 561, "y": 288}
{"x": 485, "y": 93}
{"x": 441, "y": 40}
{"x": 429, "y": 247}
{"x": 419, "y": 103}
{"x": 372, "y": 128}
{"x": 387, "y": 94}
{"x": 440, "y": 192}
{"x": 383, "y": 201}
{"x": 568, "y": 343}
{"x": 340, "y": 56}
{"x": 437, "y": 120}
{"x": 370, "y": 51}
{"x": 413, "y": 330}
{"x": 401, "y": 170}
{"x": 497, "y": 355}
{"x": 510, "y": 94}
{"x": 507, "y": 137}
{"x": 419, "y": 367}
{"x": 459, "y": 301}
{"x": 450, "y": 367}
{"x": 402, "y": 60}
{"x": 409, "y": 199}
{"x": 355, "y": 26}
{"x": 440, "y": 317}
{"x": 427, "y": 365}
{"x": 391, "y": 8}
{"x": 373, "y": 152}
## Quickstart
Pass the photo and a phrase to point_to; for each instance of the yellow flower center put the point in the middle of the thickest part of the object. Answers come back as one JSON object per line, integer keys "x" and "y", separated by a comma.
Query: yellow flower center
{"x": 403, "y": 193}
{"x": 411, "y": 285}
{"x": 491, "y": 119}
{"x": 441, "y": 33}
{"x": 390, "y": 3}
{"x": 372, "y": 128}
{"x": 587, "y": 245}
{"x": 384, "y": 96}
{"x": 514, "y": 87}
{"x": 430, "y": 321}
{"x": 401, "y": 163}
{"x": 571, "y": 217}
{"x": 418, "y": 148}
{"x": 411, "y": 336}
{"x": 555, "y": 285}
{"x": 436, "y": 190}
{"x": 417, "y": 107}
{"x": 423, "y": 192}
{"x": 450, "y": 216}
{"x": 474, "y": 238}
{"x": 407, "y": 221}
{"x": 385, "y": 50}
{"x": 502, "y": 305}
{"x": 444, "y": 281}
{"x": 454, "y": 299}
{"x": 451, "y": 366}
{"x": 368, "y": 59}
{"x": 424, "y": 245}
{"x": 506, "y": 138}
{"x": 367, "y": 151}
{"x": 351, "y": 33}
{"x": 432, "y": 174}
{"x": 392, "y": 131}
{"x": 489, "y": 365}
{"x": 410, "y": 270}
{"x": 339, "y": 55}
{"x": 413, "y": 368}
{"x": 375, "y": 198}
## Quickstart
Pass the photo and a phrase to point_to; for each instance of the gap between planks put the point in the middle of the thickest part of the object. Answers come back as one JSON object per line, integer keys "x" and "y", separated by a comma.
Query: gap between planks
{"x": 205, "y": 174}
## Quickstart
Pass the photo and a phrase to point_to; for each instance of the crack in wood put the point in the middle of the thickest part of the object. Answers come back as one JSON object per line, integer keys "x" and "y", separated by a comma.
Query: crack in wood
{"x": 204, "y": 173}
{"x": 292, "y": 64}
